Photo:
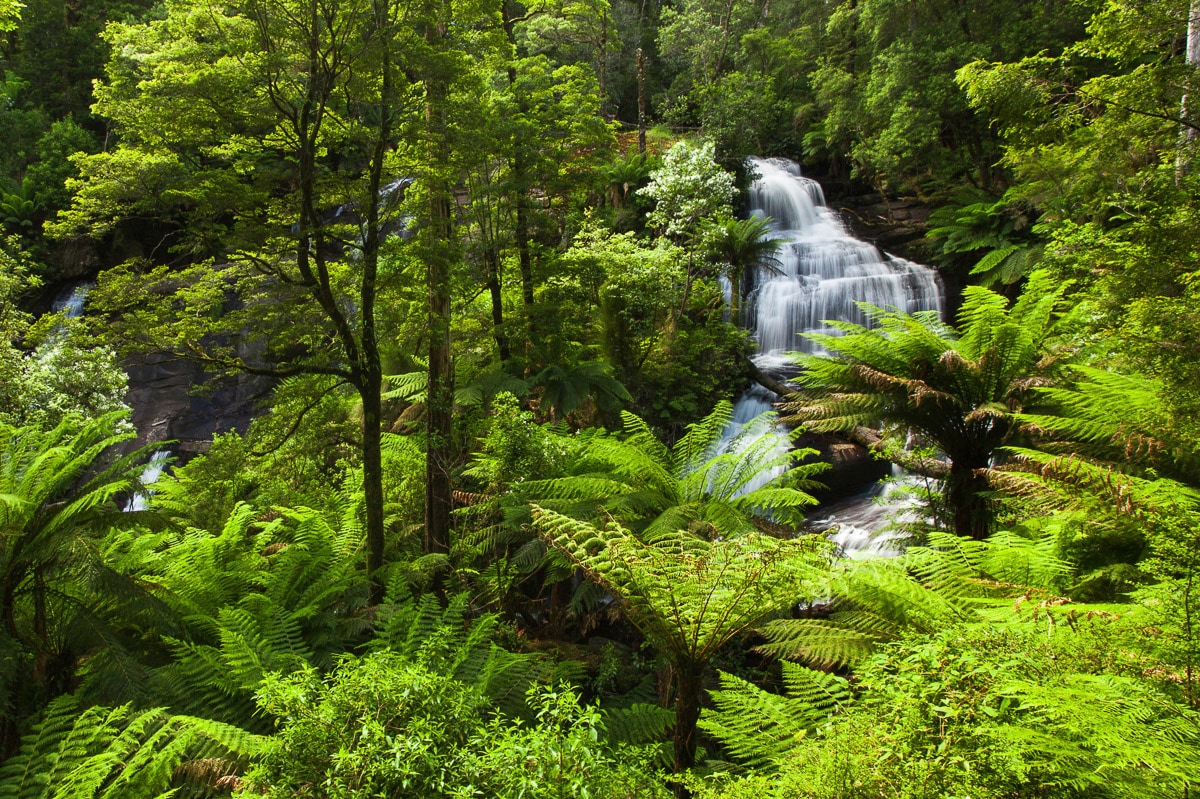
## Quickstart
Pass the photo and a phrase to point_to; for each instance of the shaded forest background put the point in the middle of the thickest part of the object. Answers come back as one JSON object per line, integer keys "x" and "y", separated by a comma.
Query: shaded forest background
{"x": 464, "y": 264}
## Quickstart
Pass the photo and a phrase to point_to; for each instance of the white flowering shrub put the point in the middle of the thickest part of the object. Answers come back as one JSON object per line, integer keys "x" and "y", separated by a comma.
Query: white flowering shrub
{"x": 689, "y": 188}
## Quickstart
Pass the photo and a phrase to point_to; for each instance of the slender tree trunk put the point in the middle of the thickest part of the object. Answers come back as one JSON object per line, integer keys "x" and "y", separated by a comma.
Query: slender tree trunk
{"x": 1187, "y": 136}
{"x": 689, "y": 690}
{"x": 371, "y": 394}
{"x": 520, "y": 182}
{"x": 370, "y": 366}
{"x": 641, "y": 84}
{"x": 603, "y": 63}
{"x": 440, "y": 402}
{"x": 40, "y": 626}
{"x": 492, "y": 260}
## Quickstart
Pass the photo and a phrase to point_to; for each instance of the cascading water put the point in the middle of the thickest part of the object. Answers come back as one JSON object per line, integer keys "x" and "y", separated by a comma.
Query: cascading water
{"x": 150, "y": 474}
{"x": 69, "y": 301}
{"x": 821, "y": 273}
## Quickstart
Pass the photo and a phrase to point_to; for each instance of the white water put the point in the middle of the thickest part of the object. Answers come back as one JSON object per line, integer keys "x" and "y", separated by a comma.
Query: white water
{"x": 150, "y": 474}
{"x": 821, "y": 274}
{"x": 69, "y": 301}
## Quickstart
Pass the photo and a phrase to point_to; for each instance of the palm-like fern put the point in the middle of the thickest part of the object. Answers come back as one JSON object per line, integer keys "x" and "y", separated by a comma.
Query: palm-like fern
{"x": 957, "y": 389}
{"x": 876, "y": 601}
{"x": 696, "y": 486}
{"x": 59, "y": 601}
{"x": 122, "y": 753}
{"x": 739, "y": 246}
{"x": 260, "y": 596}
{"x": 689, "y": 597}
{"x": 447, "y": 642}
{"x": 759, "y": 728}
{"x": 1110, "y": 442}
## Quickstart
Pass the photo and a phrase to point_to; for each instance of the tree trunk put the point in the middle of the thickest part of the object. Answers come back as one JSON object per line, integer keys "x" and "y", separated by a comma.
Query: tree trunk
{"x": 492, "y": 260}
{"x": 641, "y": 86}
{"x": 966, "y": 500}
{"x": 440, "y": 402}
{"x": 689, "y": 689}
{"x": 520, "y": 183}
{"x": 1187, "y": 135}
{"x": 370, "y": 366}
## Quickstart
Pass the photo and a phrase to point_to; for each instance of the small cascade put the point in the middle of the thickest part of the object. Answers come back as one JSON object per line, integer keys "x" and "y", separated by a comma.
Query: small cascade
{"x": 69, "y": 301}
{"x": 754, "y": 418}
{"x": 821, "y": 274}
{"x": 150, "y": 474}
{"x": 862, "y": 521}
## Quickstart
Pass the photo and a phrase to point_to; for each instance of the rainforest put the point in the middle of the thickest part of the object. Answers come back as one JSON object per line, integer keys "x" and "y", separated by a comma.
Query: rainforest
{"x": 742, "y": 399}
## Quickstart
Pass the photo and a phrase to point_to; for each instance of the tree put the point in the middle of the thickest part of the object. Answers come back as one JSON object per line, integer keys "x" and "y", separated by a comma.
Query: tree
{"x": 687, "y": 189}
{"x": 957, "y": 389}
{"x": 267, "y": 139}
{"x": 740, "y": 246}
{"x": 59, "y": 491}
{"x": 688, "y": 596}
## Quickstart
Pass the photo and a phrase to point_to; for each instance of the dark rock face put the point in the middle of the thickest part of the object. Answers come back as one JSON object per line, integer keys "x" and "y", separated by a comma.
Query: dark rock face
{"x": 851, "y": 465}
{"x": 894, "y": 226}
{"x": 176, "y": 400}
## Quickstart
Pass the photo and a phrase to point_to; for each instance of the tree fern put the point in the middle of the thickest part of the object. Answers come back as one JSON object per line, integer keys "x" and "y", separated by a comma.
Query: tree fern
{"x": 260, "y": 596}
{"x": 689, "y": 597}
{"x": 59, "y": 493}
{"x": 957, "y": 389}
{"x": 120, "y": 753}
{"x": 760, "y": 728}
{"x": 656, "y": 490}
{"x": 875, "y": 601}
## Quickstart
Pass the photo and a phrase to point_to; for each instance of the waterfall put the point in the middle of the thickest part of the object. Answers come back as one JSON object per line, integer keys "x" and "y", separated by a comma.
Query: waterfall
{"x": 150, "y": 474}
{"x": 69, "y": 301}
{"x": 821, "y": 274}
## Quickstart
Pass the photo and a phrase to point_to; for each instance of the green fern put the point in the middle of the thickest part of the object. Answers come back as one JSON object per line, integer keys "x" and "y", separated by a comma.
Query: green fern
{"x": 1105, "y": 733}
{"x": 876, "y": 601}
{"x": 121, "y": 753}
{"x": 958, "y": 389}
{"x": 261, "y": 596}
{"x": 760, "y": 728}
{"x": 655, "y": 490}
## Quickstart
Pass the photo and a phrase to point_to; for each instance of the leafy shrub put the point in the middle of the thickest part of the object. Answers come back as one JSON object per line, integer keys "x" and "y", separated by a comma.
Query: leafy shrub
{"x": 385, "y": 726}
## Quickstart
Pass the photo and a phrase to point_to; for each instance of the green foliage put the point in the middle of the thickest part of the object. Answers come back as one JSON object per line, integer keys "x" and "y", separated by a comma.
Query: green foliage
{"x": 79, "y": 752}
{"x": 752, "y": 484}
{"x": 48, "y": 177}
{"x": 956, "y": 713}
{"x": 953, "y": 580}
{"x": 384, "y": 726}
{"x": 256, "y": 597}
{"x": 688, "y": 189}
{"x": 957, "y": 389}
{"x": 739, "y": 246}
{"x": 761, "y": 728}
{"x": 690, "y": 597}
{"x": 59, "y": 491}
{"x": 18, "y": 208}
{"x": 447, "y": 642}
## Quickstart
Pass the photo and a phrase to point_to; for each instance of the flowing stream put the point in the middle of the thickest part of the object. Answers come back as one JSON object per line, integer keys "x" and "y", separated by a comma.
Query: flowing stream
{"x": 821, "y": 274}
